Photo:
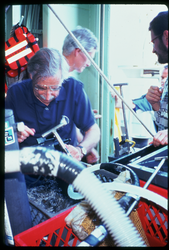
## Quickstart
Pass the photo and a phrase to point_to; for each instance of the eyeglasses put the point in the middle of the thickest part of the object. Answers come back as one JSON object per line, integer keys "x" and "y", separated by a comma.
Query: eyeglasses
{"x": 45, "y": 87}
{"x": 155, "y": 38}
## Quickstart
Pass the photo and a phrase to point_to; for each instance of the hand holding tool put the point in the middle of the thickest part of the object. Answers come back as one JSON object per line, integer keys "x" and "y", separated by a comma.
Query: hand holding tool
{"x": 64, "y": 121}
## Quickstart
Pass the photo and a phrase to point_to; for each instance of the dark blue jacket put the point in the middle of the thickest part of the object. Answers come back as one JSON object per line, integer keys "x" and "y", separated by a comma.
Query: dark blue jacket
{"x": 72, "y": 102}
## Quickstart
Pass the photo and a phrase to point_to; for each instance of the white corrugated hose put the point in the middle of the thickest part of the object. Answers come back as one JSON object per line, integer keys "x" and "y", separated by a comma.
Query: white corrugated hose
{"x": 109, "y": 211}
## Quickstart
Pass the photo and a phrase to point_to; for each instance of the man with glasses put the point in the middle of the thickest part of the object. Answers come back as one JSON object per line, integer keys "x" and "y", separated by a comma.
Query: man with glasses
{"x": 75, "y": 58}
{"x": 158, "y": 97}
{"x": 142, "y": 102}
{"x": 78, "y": 61}
{"x": 41, "y": 101}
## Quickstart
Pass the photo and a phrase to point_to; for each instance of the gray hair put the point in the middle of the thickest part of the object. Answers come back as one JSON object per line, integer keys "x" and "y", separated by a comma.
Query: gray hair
{"x": 84, "y": 36}
{"x": 46, "y": 63}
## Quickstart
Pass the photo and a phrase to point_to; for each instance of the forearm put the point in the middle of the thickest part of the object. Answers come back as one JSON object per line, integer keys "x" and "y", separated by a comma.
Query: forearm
{"x": 91, "y": 138}
{"x": 79, "y": 135}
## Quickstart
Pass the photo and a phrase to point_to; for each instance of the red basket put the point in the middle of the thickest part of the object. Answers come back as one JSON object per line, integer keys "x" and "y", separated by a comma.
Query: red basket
{"x": 54, "y": 231}
{"x": 153, "y": 218}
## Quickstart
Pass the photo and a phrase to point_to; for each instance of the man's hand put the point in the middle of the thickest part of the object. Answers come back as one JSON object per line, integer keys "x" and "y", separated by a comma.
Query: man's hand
{"x": 92, "y": 156}
{"x": 161, "y": 138}
{"x": 26, "y": 133}
{"x": 154, "y": 96}
{"x": 118, "y": 103}
{"x": 97, "y": 116}
{"x": 74, "y": 152}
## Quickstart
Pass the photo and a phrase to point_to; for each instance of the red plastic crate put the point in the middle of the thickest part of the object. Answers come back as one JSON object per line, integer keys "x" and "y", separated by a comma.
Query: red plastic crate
{"x": 155, "y": 223}
{"x": 54, "y": 231}
{"x": 154, "y": 219}
{"x": 158, "y": 190}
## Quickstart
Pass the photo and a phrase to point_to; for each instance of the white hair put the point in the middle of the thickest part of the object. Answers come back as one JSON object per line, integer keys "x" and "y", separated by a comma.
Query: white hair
{"x": 84, "y": 36}
{"x": 46, "y": 63}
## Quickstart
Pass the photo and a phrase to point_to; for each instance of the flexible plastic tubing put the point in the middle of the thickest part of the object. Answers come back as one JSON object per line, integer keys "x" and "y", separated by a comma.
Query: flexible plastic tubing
{"x": 144, "y": 193}
{"x": 109, "y": 167}
{"x": 139, "y": 191}
{"x": 107, "y": 208}
{"x": 158, "y": 199}
{"x": 42, "y": 161}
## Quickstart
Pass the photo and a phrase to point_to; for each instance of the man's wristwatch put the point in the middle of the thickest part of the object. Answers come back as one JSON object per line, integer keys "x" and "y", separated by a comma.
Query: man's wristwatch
{"x": 84, "y": 151}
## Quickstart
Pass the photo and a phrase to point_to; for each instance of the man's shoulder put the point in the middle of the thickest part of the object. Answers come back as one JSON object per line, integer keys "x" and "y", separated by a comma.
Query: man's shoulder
{"x": 71, "y": 81}
{"x": 21, "y": 85}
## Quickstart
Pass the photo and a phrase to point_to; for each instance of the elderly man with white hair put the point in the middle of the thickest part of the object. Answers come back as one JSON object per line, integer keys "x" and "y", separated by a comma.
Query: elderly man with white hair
{"x": 41, "y": 101}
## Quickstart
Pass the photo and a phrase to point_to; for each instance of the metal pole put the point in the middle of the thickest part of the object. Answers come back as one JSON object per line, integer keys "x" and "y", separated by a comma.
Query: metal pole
{"x": 146, "y": 185}
{"x": 125, "y": 120}
{"x": 124, "y": 115}
{"x": 98, "y": 69}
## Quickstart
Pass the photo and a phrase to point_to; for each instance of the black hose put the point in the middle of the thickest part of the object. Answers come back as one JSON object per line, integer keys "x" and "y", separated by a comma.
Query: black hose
{"x": 42, "y": 161}
{"x": 117, "y": 168}
{"x": 69, "y": 168}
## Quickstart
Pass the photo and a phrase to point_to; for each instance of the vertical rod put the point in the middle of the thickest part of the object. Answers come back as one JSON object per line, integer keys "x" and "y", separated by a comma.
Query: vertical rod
{"x": 125, "y": 120}
{"x": 101, "y": 80}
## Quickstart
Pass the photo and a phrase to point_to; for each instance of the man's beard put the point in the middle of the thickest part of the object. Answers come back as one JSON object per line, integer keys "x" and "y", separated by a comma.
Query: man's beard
{"x": 163, "y": 56}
